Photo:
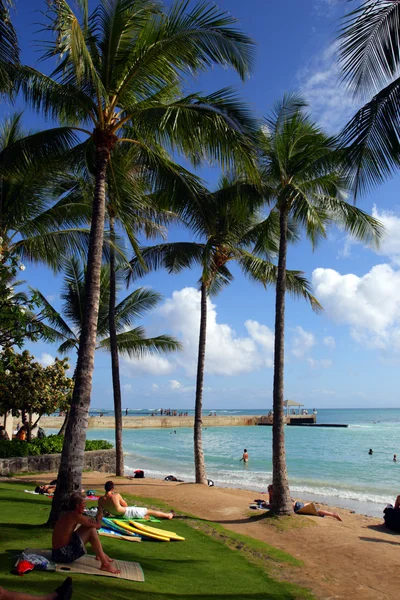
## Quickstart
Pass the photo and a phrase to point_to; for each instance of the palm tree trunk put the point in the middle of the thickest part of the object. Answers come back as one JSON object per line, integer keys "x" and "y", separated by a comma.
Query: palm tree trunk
{"x": 72, "y": 457}
{"x": 281, "y": 504}
{"x": 64, "y": 425}
{"x": 114, "y": 358}
{"x": 199, "y": 463}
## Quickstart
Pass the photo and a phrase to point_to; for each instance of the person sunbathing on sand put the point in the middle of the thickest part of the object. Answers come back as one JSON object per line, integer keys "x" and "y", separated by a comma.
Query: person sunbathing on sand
{"x": 113, "y": 503}
{"x": 68, "y": 543}
{"x": 299, "y": 505}
{"x": 63, "y": 592}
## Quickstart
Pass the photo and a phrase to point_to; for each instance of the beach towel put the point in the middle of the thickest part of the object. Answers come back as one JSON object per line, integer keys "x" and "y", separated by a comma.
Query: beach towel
{"x": 119, "y": 536}
{"x": 88, "y": 565}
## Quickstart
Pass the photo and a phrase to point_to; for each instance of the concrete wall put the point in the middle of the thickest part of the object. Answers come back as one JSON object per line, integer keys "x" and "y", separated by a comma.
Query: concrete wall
{"x": 96, "y": 460}
{"x": 156, "y": 422}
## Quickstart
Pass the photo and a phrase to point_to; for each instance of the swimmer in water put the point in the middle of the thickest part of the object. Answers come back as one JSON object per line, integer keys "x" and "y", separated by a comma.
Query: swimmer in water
{"x": 370, "y": 451}
{"x": 394, "y": 457}
{"x": 245, "y": 457}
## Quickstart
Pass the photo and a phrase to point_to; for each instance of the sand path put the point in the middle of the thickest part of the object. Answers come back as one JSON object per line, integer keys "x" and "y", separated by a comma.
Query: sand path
{"x": 356, "y": 559}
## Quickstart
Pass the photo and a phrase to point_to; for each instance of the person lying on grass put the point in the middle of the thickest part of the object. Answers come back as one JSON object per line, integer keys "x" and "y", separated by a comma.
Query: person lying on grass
{"x": 113, "y": 503}
{"x": 299, "y": 505}
{"x": 69, "y": 544}
{"x": 63, "y": 592}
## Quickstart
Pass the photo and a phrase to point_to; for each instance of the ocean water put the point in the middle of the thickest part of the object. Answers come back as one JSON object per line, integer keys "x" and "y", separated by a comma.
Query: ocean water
{"x": 324, "y": 464}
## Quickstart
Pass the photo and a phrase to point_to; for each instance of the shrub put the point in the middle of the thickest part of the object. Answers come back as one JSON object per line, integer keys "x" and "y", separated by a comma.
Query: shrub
{"x": 49, "y": 445}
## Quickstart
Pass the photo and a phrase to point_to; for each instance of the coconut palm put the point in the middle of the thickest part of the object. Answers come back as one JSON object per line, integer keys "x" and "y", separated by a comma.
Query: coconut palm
{"x": 302, "y": 181}
{"x": 118, "y": 81}
{"x": 65, "y": 327}
{"x": 34, "y": 223}
{"x": 227, "y": 225}
{"x": 369, "y": 56}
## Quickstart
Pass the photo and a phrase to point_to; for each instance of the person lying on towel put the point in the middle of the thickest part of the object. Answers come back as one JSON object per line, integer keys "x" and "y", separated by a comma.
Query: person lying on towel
{"x": 68, "y": 543}
{"x": 113, "y": 503}
{"x": 308, "y": 508}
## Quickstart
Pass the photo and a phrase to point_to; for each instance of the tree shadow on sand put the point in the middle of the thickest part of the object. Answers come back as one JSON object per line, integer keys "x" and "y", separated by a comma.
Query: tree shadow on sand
{"x": 379, "y": 541}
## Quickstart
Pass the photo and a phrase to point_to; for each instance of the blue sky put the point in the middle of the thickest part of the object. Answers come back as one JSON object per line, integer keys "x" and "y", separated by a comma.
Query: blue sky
{"x": 348, "y": 356}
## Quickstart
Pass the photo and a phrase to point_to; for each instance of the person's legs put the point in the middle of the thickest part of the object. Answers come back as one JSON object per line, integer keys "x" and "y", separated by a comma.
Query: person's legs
{"x": 89, "y": 535}
{"x": 64, "y": 592}
{"x": 326, "y": 513}
{"x": 160, "y": 515}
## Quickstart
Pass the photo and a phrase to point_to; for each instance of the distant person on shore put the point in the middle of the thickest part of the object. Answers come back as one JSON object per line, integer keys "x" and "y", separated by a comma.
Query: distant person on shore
{"x": 370, "y": 451}
{"x": 63, "y": 592}
{"x": 113, "y": 503}
{"x": 299, "y": 505}
{"x": 69, "y": 543}
{"x": 126, "y": 412}
{"x": 394, "y": 457}
{"x": 245, "y": 457}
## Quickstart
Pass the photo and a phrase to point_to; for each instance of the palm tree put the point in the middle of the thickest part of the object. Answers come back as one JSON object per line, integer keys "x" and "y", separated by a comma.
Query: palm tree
{"x": 34, "y": 223}
{"x": 65, "y": 327}
{"x": 9, "y": 50}
{"x": 118, "y": 81}
{"x": 227, "y": 225}
{"x": 302, "y": 181}
{"x": 369, "y": 56}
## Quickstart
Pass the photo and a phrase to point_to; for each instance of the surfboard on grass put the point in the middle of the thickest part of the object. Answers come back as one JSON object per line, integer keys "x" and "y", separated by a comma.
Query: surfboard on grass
{"x": 163, "y": 532}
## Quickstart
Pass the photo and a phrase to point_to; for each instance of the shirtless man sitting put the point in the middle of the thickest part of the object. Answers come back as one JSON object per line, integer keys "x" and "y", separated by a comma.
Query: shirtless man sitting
{"x": 69, "y": 544}
{"x": 113, "y": 503}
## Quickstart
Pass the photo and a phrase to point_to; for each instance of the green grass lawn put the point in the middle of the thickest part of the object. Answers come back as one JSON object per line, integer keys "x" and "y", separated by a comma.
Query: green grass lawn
{"x": 211, "y": 564}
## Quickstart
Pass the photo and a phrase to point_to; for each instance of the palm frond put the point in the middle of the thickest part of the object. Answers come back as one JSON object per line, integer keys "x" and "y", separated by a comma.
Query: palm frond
{"x": 172, "y": 257}
{"x": 135, "y": 345}
{"x": 371, "y": 139}
{"x": 135, "y": 306}
{"x": 265, "y": 272}
{"x": 369, "y": 50}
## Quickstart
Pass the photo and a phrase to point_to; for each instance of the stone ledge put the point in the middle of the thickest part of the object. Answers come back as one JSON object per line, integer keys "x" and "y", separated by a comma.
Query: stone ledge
{"x": 96, "y": 460}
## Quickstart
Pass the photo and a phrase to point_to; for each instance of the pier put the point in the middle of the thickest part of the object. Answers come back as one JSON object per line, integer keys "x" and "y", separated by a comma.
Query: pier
{"x": 158, "y": 422}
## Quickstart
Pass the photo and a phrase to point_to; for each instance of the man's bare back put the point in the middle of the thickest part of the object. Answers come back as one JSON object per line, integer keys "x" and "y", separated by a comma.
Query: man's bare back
{"x": 113, "y": 503}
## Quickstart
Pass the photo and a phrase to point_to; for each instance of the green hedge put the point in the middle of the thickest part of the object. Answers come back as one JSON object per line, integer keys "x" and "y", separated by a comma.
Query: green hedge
{"x": 49, "y": 445}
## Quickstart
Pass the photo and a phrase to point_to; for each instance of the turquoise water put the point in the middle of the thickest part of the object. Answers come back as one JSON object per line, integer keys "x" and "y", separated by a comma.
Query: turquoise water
{"x": 323, "y": 463}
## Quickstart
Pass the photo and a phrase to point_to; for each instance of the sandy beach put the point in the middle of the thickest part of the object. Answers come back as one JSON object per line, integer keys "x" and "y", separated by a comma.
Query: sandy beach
{"x": 356, "y": 559}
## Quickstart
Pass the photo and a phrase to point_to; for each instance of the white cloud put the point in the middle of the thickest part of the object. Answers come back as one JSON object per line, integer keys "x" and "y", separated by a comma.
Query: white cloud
{"x": 46, "y": 359}
{"x": 323, "y": 392}
{"x": 174, "y": 384}
{"x": 177, "y": 386}
{"x": 127, "y": 387}
{"x": 148, "y": 365}
{"x": 302, "y": 342}
{"x": 154, "y": 386}
{"x": 227, "y": 353}
{"x": 370, "y": 304}
{"x": 331, "y": 105}
{"x": 322, "y": 363}
{"x": 329, "y": 341}
{"x": 390, "y": 244}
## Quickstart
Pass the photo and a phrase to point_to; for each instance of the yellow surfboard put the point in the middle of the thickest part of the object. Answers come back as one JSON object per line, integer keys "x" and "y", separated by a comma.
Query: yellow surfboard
{"x": 147, "y": 528}
{"x": 149, "y": 534}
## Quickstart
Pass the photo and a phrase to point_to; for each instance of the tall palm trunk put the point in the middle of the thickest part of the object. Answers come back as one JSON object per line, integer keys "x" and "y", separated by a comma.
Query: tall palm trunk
{"x": 199, "y": 464}
{"x": 114, "y": 357}
{"x": 72, "y": 457}
{"x": 281, "y": 498}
